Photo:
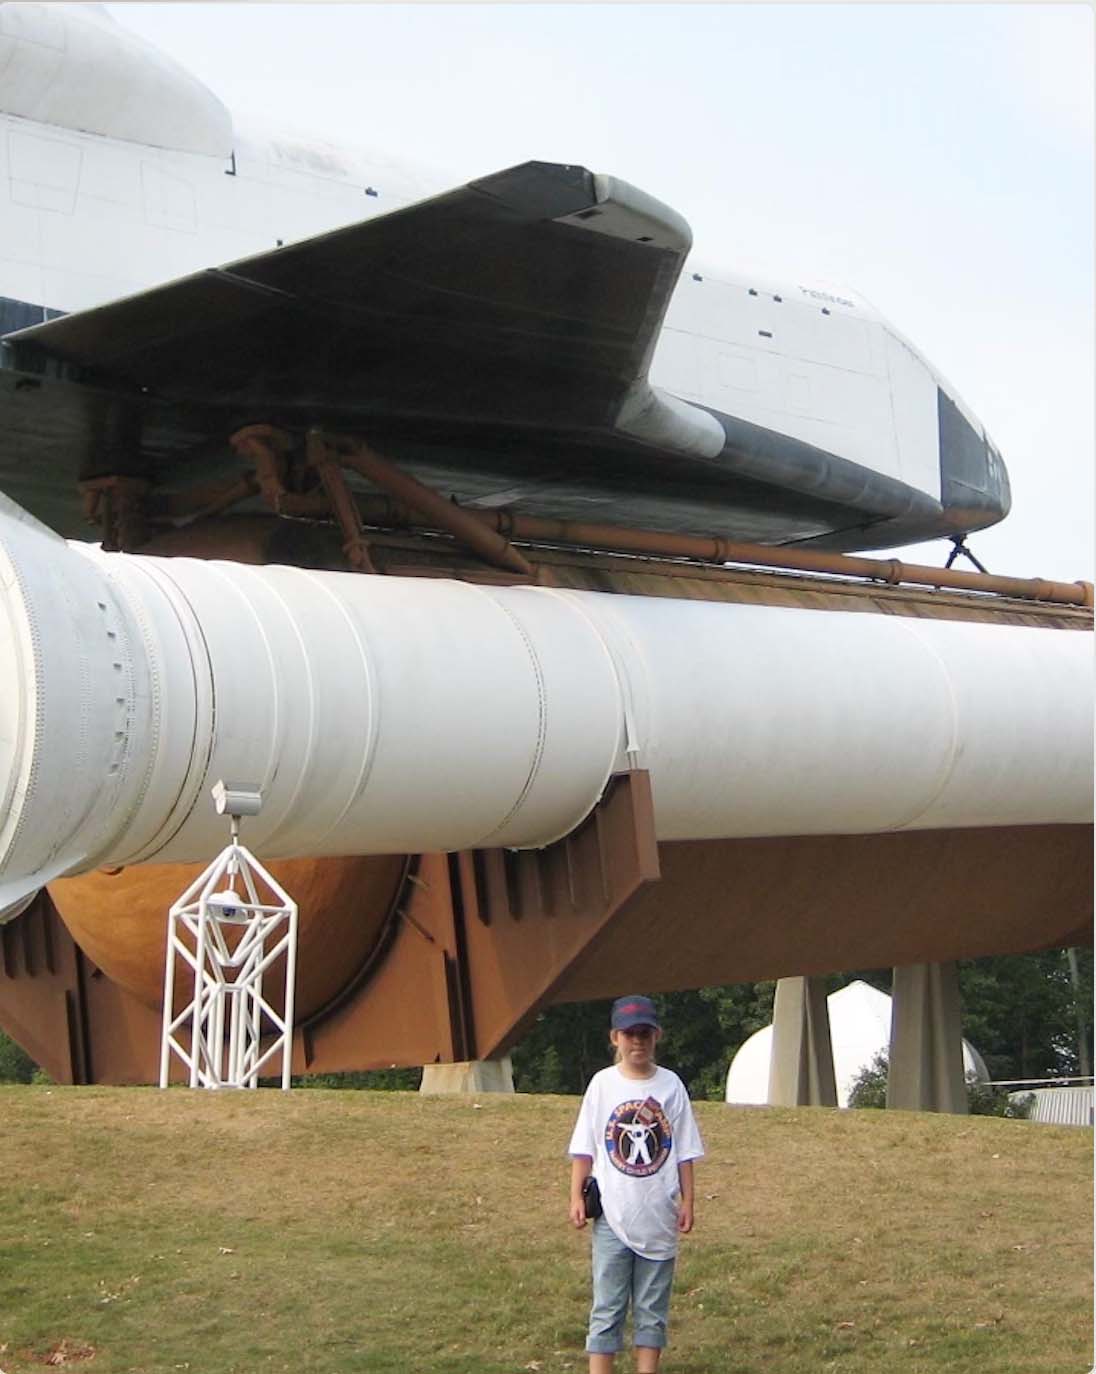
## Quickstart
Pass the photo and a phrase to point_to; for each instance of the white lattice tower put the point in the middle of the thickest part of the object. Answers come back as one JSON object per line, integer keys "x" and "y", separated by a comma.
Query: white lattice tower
{"x": 229, "y": 1015}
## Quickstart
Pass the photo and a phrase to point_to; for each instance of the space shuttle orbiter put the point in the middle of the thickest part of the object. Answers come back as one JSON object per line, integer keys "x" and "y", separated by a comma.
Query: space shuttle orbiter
{"x": 529, "y": 342}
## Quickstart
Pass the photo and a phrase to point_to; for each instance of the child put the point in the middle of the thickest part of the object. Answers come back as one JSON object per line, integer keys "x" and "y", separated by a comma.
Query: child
{"x": 636, "y": 1134}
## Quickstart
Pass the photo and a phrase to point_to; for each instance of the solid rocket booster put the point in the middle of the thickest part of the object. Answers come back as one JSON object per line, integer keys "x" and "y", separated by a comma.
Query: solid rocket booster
{"x": 406, "y": 715}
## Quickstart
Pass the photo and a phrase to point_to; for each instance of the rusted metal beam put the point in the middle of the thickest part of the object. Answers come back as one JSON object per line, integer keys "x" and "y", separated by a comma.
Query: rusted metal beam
{"x": 889, "y": 570}
{"x": 202, "y": 501}
{"x": 342, "y": 502}
{"x": 489, "y": 533}
{"x": 117, "y": 504}
{"x": 660, "y": 544}
{"x": 266, "y": 447}
{"x": 429, "y": 505}
{"x": 404, "y": 553}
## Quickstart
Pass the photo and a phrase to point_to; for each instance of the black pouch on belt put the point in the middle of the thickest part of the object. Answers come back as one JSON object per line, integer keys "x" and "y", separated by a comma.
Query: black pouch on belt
{"x": 591, "y": 1197}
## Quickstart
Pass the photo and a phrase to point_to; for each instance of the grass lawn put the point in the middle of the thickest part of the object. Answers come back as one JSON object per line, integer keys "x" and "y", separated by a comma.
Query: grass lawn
{"x": 343, "y": 1231}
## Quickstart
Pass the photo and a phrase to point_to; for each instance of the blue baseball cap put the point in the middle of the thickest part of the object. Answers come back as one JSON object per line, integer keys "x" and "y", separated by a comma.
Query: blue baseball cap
{"x": 633, "y": 1011}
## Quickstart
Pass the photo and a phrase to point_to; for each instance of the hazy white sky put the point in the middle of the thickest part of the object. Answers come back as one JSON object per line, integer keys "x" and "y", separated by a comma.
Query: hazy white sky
{"x": 937, "y": 158}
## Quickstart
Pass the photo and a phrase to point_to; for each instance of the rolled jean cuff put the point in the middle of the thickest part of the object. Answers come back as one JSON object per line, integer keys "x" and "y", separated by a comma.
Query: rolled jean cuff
{"x": 602, "y": 1345}
{"x": 651, "y": 1339}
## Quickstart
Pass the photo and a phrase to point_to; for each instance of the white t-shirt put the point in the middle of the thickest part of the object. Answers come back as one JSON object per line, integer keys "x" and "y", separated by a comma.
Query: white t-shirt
{"x": 637, "y": 1131}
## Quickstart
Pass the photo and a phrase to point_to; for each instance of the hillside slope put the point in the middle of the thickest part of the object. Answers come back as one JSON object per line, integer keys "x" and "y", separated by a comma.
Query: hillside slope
{"x": 337, "y": 1231}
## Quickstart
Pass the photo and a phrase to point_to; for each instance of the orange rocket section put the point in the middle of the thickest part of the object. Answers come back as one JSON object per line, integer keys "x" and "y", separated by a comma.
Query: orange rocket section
{"x": 473, "y": 945}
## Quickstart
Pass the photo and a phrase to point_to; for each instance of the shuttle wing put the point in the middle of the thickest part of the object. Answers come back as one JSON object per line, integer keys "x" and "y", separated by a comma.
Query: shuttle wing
{"x": 495, "y": 339}
{"x": 530, "y": 298}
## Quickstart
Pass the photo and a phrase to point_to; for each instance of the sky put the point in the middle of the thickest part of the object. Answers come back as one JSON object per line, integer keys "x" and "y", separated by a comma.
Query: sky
{"x": 936, "y": 158}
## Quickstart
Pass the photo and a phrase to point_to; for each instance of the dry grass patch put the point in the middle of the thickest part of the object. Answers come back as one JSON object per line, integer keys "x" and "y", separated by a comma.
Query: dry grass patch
{"x": 340, "y": 1231}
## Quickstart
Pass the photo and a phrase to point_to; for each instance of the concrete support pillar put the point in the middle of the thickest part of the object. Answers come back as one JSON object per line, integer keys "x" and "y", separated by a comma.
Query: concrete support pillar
{"x": 801, "y": 1063}
{"x": 926, "y": 1043}
{"x": 473, "y": 1076}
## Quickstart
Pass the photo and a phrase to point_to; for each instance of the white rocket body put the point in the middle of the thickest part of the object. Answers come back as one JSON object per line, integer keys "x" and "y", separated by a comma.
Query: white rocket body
{"x": 406, "y": 715}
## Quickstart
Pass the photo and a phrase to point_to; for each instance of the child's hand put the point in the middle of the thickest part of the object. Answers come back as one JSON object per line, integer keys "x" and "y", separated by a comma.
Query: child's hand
{"x": 578, "y": 1214}
{"x": 685, "y": 1217}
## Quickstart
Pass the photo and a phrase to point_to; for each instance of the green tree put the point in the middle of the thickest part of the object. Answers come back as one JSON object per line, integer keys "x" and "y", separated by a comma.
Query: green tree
{"x": 566, "y": 1045}
{"x": 16, "y": 1066}
{"x": 1022, "y": 1013}
{"x": 869, "y": 1087}
{"x": 547, "y": 1075}
{"x": 704, "y": 1029}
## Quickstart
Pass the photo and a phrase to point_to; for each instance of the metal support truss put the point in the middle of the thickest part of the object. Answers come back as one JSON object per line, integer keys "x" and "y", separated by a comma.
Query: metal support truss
{"x": 226, "y": 931}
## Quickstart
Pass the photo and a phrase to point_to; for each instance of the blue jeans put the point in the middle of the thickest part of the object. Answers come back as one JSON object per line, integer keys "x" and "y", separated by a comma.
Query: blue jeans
{"x": 621, "y": 1276}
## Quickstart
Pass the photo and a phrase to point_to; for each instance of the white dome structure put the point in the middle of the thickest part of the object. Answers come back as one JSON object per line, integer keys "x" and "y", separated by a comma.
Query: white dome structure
{"x": 860, "y": 1020}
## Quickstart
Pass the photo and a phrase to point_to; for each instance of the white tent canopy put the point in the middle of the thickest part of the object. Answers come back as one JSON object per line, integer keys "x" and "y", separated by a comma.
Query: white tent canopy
{"x": 860, "y": 1019}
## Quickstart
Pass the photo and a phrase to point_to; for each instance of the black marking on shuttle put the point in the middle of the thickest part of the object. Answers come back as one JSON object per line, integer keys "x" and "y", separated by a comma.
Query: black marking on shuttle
{"x": 973, "y": 480}
{"x": 783, "y": 462}
{"x": 22, "y": 314}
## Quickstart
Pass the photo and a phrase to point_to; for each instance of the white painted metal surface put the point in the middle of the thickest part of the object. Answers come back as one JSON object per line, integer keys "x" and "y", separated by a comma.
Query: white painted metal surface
{"x": 119, "y": 170}
{"x": 73, "y": 66}
{"x": 1058, "y": 1106}
{"x": 409, "y": 715}
{"x": 228, "y": 929}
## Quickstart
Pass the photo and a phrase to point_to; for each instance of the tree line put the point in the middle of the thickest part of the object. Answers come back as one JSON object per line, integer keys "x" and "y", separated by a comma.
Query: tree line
{"x": 1025, "y": 1014}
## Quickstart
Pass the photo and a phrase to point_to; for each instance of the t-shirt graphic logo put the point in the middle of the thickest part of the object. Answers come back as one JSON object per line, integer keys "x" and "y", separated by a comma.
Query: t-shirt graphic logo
{"x": 638, "y": 1137}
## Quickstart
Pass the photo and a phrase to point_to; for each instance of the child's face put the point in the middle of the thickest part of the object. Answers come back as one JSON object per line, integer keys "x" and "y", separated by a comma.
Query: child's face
{"x": 636, "y": 1047}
